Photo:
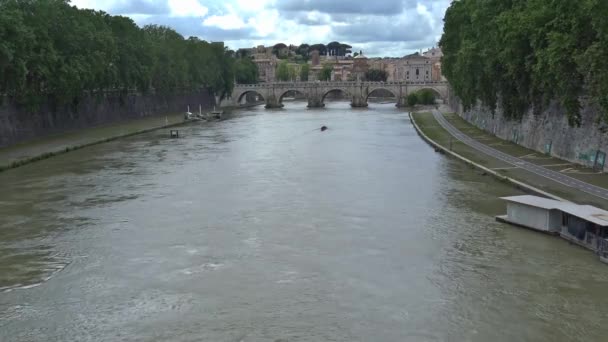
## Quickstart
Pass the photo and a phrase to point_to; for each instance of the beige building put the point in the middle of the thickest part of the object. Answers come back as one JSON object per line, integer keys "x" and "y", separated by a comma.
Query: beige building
{"x": 425, "y": 67}
{"x": 435, "y": 54}
{"x": 266, "y": 68}
{"x": 414, "y": 68}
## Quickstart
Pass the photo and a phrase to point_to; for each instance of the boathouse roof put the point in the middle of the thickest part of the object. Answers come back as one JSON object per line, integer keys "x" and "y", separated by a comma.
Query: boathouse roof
{"x": 586, "y": 212}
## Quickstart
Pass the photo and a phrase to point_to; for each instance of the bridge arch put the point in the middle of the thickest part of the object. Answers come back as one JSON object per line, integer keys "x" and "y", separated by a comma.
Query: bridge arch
{"x": 242, "y": 95}
{"x": 286, "y": 92}
{"x": 372, "y": 90}
{"x": 346, "y": 93}
{"x": 438, "y": 93}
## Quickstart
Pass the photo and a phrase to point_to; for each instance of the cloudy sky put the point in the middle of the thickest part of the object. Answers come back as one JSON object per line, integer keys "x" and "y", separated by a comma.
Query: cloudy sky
{"x": 378, "y": 27}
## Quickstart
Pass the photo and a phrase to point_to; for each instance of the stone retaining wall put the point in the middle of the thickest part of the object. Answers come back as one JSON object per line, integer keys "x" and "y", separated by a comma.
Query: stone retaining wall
{"x": 547, "y": 132}
{"x": 18, "y": 124}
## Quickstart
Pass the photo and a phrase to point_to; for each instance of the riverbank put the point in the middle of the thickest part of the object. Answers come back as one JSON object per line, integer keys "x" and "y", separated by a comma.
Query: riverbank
{"x": 39, "y": 149}
{"x": 428, "y": 127}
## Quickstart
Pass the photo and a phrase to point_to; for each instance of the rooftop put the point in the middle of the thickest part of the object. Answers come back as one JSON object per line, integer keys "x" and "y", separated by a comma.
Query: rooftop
{"x": 585, "y": 212}
{"x": 415, "y": 55}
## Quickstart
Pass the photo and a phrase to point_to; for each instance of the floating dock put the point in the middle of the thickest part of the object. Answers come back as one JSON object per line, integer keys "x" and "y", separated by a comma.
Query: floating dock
{"x": 584, "y": 225}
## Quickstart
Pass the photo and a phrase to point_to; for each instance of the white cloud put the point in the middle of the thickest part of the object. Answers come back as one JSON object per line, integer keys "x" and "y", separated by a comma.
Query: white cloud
{"x": 226, "y": 22}
{"x": 379, "y": 27}
{"x": 253, "y": 5}
{"x": 187, "y": 8}
{"x": 265, "y": 23}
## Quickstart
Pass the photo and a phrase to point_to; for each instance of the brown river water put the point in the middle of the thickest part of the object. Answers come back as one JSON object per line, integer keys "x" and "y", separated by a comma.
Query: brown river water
{"x": 262, "y": 228}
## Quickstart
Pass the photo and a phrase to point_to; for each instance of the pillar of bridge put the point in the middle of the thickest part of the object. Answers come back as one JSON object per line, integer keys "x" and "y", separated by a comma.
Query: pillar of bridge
{"x": 358, "y": 101}
{"x": 273, "y": 102}
{"x": 402, "y": 102}
{"x": 315, "y": 101}
{"x": 315, "y": 97}
{"x": 359, "y": 95}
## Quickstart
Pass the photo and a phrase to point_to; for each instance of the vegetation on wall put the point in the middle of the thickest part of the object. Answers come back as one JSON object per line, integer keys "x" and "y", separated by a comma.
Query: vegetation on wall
{"x": 304, "y": 72}
{"x": 283, "y": 71}
{"x": 53, "y": 52}
{"x": 518, "y": 54}
{"x": 325, "y": 74}
{"x": 376, "y": 75}
{"x": 423, "y": 97}
{"x": 245, "y": 71}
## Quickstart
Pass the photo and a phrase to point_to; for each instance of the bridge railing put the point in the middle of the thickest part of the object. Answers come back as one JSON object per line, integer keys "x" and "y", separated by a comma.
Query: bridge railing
{"x": 338, "y": 84}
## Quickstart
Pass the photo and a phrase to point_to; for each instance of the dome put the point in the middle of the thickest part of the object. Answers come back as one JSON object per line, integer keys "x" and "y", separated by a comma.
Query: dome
{"x": 361, "y": 57}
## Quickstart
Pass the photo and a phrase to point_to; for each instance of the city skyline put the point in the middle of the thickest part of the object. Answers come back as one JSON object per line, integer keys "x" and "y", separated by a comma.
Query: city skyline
{"x": 392, "y": 28}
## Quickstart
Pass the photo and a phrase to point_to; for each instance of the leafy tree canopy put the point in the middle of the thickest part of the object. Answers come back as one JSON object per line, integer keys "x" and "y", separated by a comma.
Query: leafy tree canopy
{"x": 325, "y": 74}
{"x": 376, "y": 75}
{"x": 521, "y": 53}
{"x": 50, "y": 50}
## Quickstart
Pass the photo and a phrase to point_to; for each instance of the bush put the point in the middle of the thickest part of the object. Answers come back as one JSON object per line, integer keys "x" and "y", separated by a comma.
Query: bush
{"x": 412, "y": 99}
{"x": 426, "y": 97}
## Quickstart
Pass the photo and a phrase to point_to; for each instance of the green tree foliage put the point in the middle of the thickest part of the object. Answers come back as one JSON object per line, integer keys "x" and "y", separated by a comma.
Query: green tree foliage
{"x": 325, "y": 74}
{"x": 304, "y": 71}
{"x": 280, "y": 50}
{"x": 283, "y": 71}
{"x": 51, "y": 51}
{"x": 246, "y": 71}
{"x": 304, "y": 51}
{"x": 319, "y": 47}
{"x": 376, "y": 75}
{"x": 293, "y": 72}
{"x": 425, "y": 97}
{"x": 339, "y": 49}
{"x": 521, "y": 53}
{"x": 412, "y": 99}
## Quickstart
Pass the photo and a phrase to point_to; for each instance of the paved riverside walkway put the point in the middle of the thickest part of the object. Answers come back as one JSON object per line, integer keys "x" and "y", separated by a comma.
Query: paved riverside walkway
{"x": 77, "y": 138}
{"x": 520, "y": 163}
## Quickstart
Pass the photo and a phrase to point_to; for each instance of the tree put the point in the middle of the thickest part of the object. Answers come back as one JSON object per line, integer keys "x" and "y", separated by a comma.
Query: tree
{"x": 54, "y": 53}
{"x": 519, "y": 54}
{"x": 339, "y": 49}
{"x": 280, "y": 50}
{"x": 293, "y": 73}
{"x": 242, "y": 53}
{"x": 283, "y": 72}
{"x": 246, "y": 71}
{"x": 325, "y": 74}
{"x": 304, "y": 51}
{"x": 425, "y": 97}
{"x": 412, "y": 99}
{"x": 319, "y": 47}
{"x": 376, "y": 75}
{"x": 304, "y": 71}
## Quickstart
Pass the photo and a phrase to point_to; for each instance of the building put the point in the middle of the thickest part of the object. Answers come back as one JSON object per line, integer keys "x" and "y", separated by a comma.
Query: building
{"x": 342, "y": 70}
{"x": 414, "y": 68}
{"x": 316, "y": 59}
{"x": 435, "y": 54}
{"x": 267, "y": 67}
{"x": 425, "y": 67}
{"x": 360, "y": 67}
{"x": 583, "y": 225}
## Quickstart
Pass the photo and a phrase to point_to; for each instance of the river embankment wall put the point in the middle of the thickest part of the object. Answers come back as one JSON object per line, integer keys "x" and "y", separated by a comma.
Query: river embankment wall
{"x": 547, "y": 132}
{"x": 19, "y": 123}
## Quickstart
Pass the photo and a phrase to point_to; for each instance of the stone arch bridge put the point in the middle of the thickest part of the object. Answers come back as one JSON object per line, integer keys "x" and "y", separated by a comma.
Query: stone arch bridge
{"x": 315, "y": 92}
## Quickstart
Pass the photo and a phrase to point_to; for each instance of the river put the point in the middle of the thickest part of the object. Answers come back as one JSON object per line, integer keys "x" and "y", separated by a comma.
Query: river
{"x": 262, "y": 228}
